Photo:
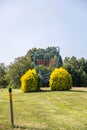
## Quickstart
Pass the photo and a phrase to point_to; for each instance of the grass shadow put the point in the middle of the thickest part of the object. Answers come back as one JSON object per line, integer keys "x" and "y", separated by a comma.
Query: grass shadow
{"x": 84, "y": 91}
{"x": 47, "y": 89}
{"x": 27, "y": 128}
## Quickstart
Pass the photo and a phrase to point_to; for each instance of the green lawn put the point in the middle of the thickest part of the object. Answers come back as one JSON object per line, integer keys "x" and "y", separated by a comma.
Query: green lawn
{"x": 45, "y": 110}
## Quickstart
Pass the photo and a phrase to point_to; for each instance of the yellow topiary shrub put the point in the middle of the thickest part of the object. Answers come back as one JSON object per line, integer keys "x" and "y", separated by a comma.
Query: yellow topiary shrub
{"x": 29, "y": 81}
{"x": 60, "y": 79}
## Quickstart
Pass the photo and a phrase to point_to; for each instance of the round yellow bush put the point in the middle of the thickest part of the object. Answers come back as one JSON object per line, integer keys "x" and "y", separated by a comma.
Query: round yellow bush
{"x": 29, "y": 81}
{"x": 60, "y": 80}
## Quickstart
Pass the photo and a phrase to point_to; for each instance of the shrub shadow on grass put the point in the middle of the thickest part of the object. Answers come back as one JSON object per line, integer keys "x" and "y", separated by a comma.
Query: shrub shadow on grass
{"x": 27, "y": 128}
{"x": 84, "y": 91}
{"x": 47, "y": 89}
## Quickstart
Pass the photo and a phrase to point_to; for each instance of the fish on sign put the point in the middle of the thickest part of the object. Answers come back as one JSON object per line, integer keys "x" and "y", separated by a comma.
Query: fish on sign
{"x": 45, "y": 60}
{"x": 47, "y": 57}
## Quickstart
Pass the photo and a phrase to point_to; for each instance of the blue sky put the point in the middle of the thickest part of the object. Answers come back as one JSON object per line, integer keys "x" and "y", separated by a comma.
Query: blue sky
{"x": 25, "y": 24}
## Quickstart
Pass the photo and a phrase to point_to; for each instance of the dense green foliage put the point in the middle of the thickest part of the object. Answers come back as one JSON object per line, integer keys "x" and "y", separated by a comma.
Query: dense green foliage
{"x": 78, "y": 70}
{"x": 3, "y": 81}
{"x": 31, "y": 52}
{"x": 10, "y": 75}
{"x": 60, "y": 79}
{"x": 16, "y": 70}
{"x": 29, "y": 81}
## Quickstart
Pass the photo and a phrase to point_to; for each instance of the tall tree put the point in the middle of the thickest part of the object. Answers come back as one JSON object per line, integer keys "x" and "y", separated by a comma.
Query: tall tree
{"x": 77, "y": 68}
{"x": 30, "y": 53}
{"x": 3, "y": 81}
{"x": 17, "y": 69}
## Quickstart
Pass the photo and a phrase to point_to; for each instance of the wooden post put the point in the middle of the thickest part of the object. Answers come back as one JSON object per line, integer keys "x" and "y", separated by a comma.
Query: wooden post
{"x": 11, "y": 107}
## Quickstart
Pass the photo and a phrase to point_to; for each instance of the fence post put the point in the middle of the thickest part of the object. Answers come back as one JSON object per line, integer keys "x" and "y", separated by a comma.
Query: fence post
{"x": 11, "y": 107}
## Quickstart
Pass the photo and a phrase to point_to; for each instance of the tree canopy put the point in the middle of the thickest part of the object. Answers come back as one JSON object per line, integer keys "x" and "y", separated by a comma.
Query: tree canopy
{"x": 78, "y": 69}
{"x": 17, "y": 69}
{"x": 10, "y": 75}
{"x": 3, "y": 81}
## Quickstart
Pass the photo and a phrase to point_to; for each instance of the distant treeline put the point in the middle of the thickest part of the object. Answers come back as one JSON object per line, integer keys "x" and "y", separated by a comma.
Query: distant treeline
{"x": 10, "y": 75}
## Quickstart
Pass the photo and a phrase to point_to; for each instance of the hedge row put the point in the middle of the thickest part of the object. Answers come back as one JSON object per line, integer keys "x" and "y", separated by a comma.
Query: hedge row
{"x": 60, "y": 79}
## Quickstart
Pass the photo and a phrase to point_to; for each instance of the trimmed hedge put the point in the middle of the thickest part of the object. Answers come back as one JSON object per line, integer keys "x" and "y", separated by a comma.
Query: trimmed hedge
{"x": 60, "y": 80}
{"x": 29, "y": 81}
